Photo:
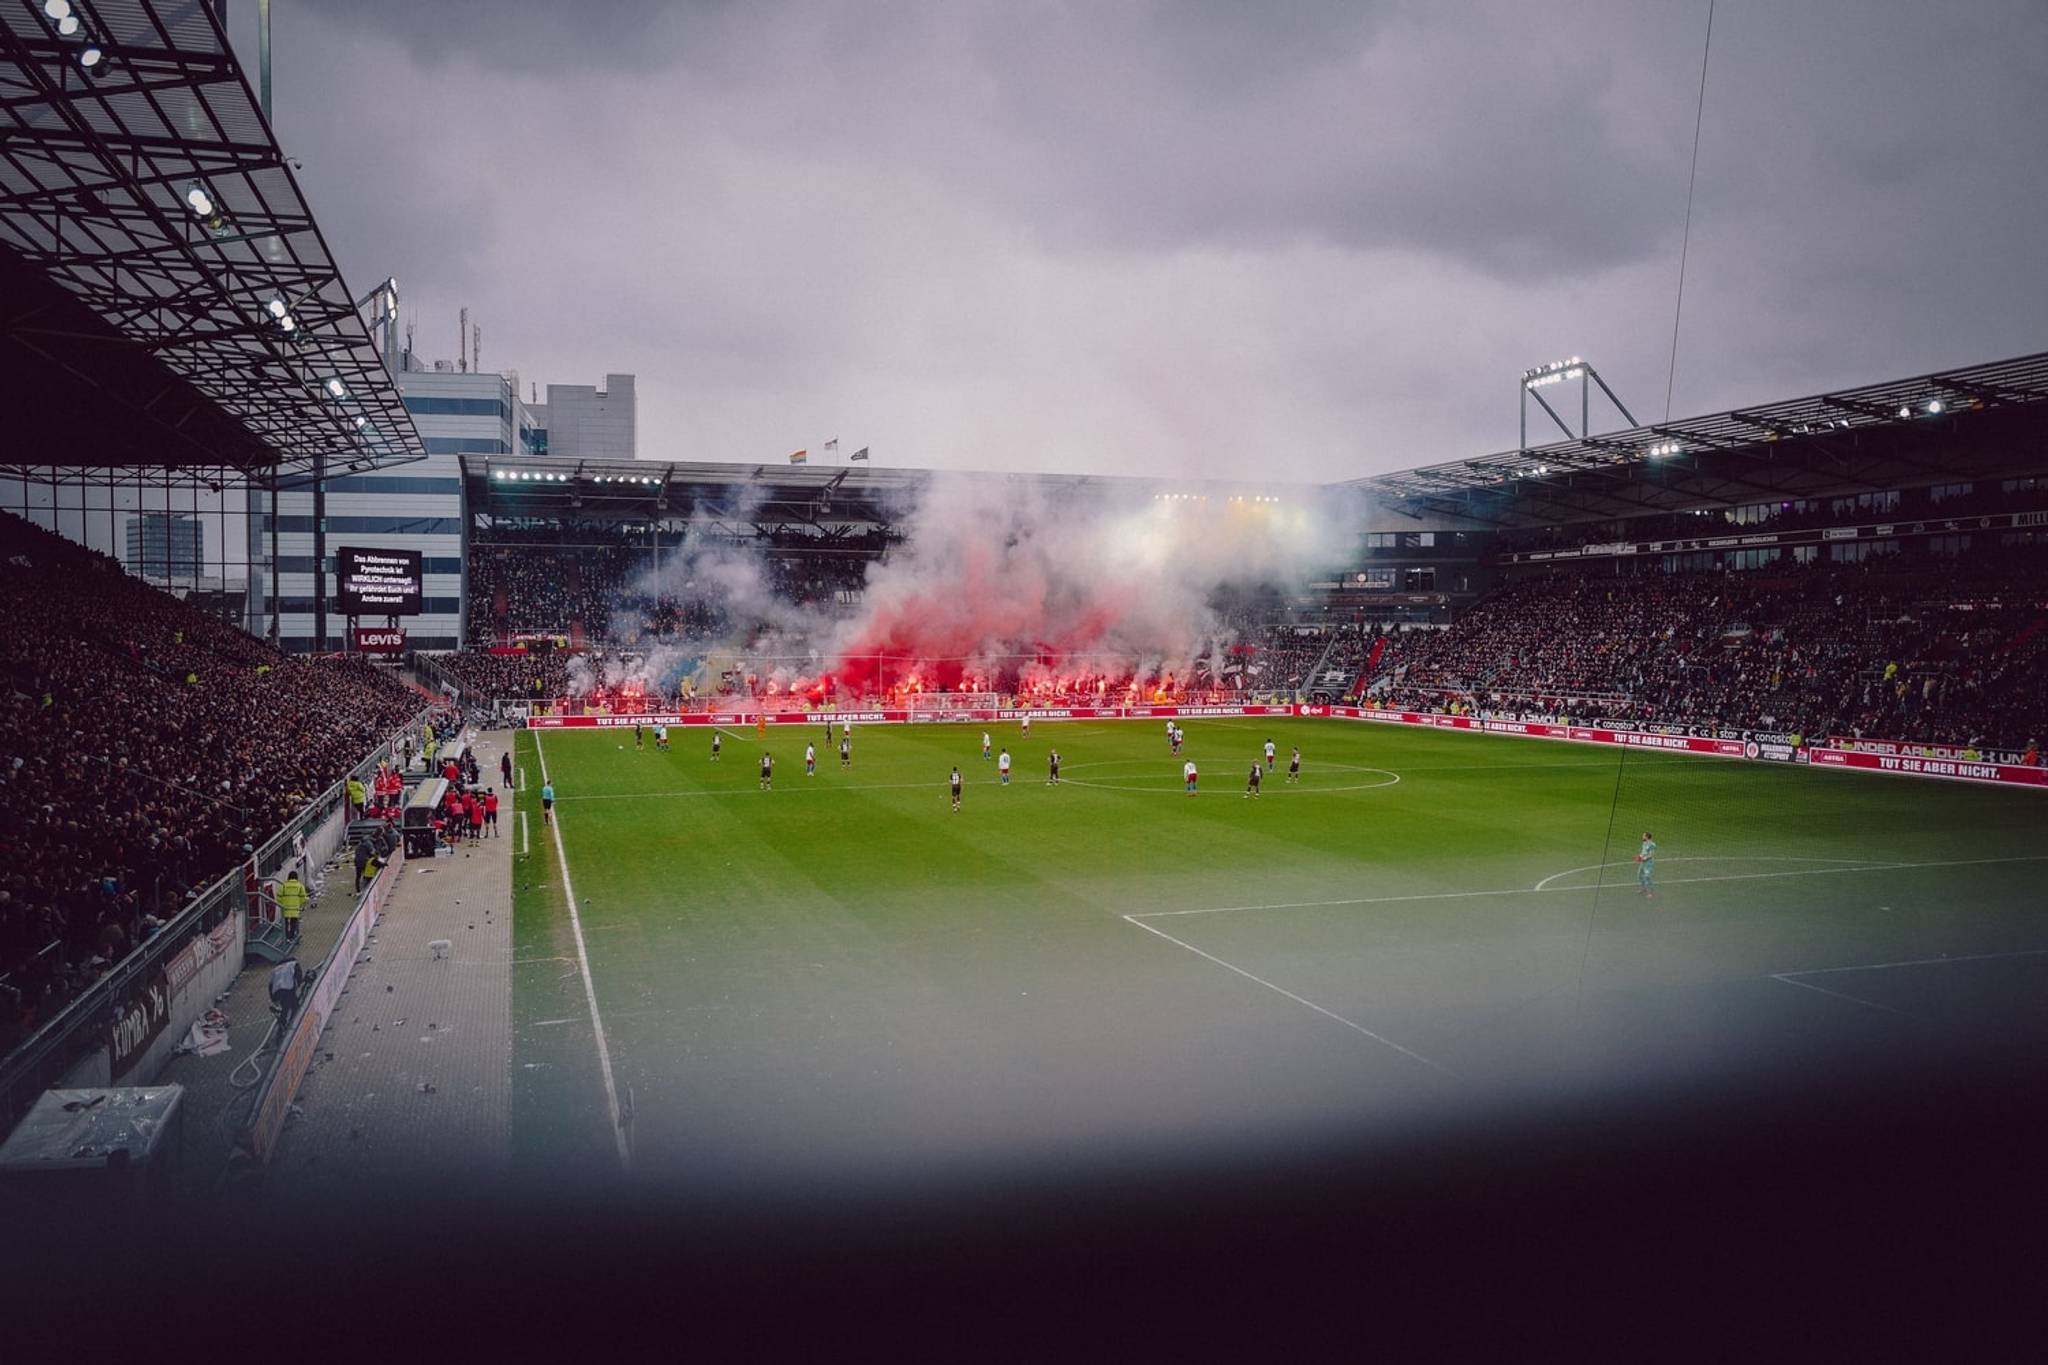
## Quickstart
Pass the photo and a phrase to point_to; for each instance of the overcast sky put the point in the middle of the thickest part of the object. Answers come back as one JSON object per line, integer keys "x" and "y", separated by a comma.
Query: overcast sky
{"x": 1323, "y": 238}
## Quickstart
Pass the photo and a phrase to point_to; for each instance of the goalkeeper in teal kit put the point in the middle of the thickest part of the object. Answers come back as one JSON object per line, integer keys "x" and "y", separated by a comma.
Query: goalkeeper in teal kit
{"x": 1646, "y": 866}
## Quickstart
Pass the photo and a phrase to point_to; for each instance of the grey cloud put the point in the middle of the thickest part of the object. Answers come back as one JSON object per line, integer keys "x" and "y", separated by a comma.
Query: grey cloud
{"x": 1176, "y": 237}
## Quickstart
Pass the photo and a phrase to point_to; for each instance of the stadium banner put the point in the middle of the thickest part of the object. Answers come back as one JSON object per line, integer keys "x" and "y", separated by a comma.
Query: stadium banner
{"x": 138, "y": 1023}
{"x": 1896, "y": 748}
{"x": 727, "y": 718}
{"x": 2011, "y": 773}
{"x": 1777, "y": 746}
{"x": 1533, "y": 729}
{"x": 266, "y": 1121}
{"x": 982, "y": 716}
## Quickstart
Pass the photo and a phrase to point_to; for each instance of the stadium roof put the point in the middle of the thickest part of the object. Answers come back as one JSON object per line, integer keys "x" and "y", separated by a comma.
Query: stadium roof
{"x": 137, "y": 173}
{"x": 767, "y": 495}
{"x": 1879, "y": 435}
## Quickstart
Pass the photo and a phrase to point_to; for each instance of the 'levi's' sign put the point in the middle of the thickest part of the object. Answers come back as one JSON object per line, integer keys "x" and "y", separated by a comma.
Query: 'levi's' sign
{"x": 379, "y": 641}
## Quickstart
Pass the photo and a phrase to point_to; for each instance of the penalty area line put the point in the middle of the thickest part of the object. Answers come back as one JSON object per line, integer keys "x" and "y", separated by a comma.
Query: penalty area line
{"x": 1353, "y": 1025}
{"x": 604, "y": 1052}
{"x": 1861, "y": 865}
{"x": 1794, "y": 978}
{"x": 1543, "y": 889}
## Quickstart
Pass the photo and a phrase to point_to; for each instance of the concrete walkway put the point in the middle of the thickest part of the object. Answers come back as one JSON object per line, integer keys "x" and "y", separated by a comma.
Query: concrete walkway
{"x": 412, "y": 1077}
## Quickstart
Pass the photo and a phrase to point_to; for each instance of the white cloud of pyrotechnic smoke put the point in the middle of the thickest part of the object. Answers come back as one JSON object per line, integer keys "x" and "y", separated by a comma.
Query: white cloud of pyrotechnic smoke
{"x": 998, "y": 583}
{"x": 1002, "y": 577}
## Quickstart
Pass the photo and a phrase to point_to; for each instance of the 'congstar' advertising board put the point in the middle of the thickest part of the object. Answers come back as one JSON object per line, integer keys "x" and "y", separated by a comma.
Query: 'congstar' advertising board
{"x": 378, "y": 582}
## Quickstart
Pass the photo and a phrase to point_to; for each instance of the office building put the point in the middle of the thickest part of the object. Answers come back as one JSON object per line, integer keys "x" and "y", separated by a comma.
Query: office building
{"x": 419, "y": 506}
{"x": 166, "y": 545}
{"x": 584, "y": 422}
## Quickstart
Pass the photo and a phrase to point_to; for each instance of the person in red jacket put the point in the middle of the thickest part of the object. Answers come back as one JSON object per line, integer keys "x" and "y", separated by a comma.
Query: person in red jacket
{"x": 491, "y": 810}
{"x": 476, "y": 816}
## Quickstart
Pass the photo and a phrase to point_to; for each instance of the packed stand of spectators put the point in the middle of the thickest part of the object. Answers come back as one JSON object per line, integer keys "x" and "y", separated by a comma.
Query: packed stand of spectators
{"x": 603, "y": 592}
{"x": 1917, "y": 649}
{"x": 148, "y": 748}
{"x": 516, "y": 677}
{"x": 569, "y": 589}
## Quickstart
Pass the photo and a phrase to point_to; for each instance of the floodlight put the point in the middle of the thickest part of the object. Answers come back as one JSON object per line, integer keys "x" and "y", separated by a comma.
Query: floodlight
{"x": 200, "y": 200}
{"x": 1934, "y": 406}
{"x": 67, "y": 26}
{"x": 276, "y": 308}
{"x": 337, "y": 388}
{"x": 90, "y": 58}
{"x": 1905, "y": 411}
{"x": 59, "y": 10}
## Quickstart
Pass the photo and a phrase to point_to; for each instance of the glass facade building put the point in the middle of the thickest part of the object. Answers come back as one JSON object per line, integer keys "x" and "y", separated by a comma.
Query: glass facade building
{"x": 410, "y": 507}
{"x": 414, "y": 507}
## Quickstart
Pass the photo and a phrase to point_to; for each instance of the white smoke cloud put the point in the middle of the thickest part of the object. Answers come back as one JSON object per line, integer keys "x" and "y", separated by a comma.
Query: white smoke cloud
{"x": 997, "y": 582}
{"x": 1002, "y": 576}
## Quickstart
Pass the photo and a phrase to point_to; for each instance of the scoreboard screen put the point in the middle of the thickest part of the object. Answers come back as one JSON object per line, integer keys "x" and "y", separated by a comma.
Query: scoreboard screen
{"x": 378, "y": 582}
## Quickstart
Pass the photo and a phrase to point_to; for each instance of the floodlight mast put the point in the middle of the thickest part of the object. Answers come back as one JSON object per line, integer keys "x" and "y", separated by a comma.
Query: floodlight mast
{"x": 1539, "y": 377}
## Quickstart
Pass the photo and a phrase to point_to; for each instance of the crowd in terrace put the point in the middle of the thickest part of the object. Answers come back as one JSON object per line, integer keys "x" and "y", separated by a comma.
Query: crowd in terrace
{"x": 611, "y": 587}
{"x": 148, "y": 746}
{"x": 1923, "y": 649}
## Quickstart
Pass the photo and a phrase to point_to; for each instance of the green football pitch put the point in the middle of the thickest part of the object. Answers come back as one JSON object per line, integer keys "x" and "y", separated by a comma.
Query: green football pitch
{"x": 843, "y": 975}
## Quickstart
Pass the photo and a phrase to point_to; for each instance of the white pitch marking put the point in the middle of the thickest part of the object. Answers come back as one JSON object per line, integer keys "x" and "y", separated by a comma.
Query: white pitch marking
{"x": 525, "y": 837}
{"x": 1552, "y": 890}
{"x": 1792, "y": 978}
{"x": 1355, "y": 1027}
{"x": 604, "y": 1052}
{"x": 1917, "y": 962}
{"x": 1844, "y": 995}
{"x": 1864, "y": 865}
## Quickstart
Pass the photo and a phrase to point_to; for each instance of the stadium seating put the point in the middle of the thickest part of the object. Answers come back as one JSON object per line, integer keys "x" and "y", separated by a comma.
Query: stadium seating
{"x": 147, "y": 746}
{"x": 1949, "y": 652}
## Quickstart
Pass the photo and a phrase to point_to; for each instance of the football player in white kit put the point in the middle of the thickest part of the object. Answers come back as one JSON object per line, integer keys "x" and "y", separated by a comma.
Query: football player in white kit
{"x": 1187, "y": 770}
{"x": 1269, "y": 755}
